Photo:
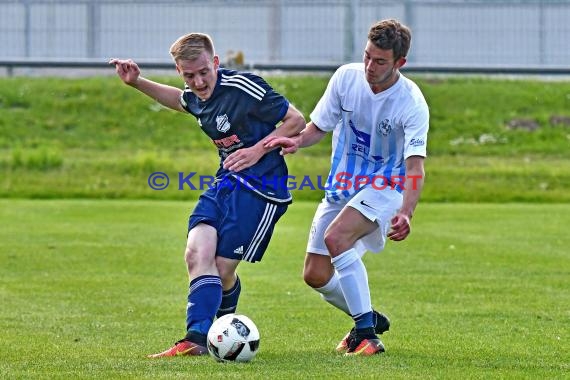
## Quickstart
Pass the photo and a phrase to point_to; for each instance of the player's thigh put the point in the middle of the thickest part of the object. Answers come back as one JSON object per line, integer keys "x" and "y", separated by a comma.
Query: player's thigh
{"x": 202, "y": 242}
{"x": 378, "y": 206}
{"x": 346, "y": 229}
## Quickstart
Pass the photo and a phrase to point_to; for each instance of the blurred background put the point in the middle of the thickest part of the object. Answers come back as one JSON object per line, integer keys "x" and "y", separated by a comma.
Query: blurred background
{"x": 297, "y": 34}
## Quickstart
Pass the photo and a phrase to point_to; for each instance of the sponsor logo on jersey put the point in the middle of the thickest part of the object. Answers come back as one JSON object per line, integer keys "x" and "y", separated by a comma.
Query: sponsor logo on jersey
{"x": 227, "y": 142}
{"x": 362, "y": 144}
{"x": 362, "y": 138}
{"x": 417, "y": 142}
{"x": 223, "y": 123}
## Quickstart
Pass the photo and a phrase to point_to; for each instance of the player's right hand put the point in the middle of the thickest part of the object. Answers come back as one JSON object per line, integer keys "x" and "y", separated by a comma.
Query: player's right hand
{"x": 287, "y": 144}
{"x": 400, "y": 228}
{"x": 126, "y": 69}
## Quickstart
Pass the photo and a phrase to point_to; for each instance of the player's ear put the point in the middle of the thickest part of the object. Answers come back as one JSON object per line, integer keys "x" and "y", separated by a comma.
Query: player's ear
{"x": 401, "y": 62}
{"x": 216, "y": 62}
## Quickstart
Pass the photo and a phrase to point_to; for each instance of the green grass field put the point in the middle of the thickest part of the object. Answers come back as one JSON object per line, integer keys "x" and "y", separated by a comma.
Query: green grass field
{"x": 478, "y": 291}
{"x": 92, "y": 276}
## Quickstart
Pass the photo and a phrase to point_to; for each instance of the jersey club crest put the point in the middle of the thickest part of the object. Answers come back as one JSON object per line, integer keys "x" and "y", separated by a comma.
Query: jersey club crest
{"x": 222, "y": 123}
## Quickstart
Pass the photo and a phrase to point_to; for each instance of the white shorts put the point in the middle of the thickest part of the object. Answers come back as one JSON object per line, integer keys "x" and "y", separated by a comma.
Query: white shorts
{"x": 376, "y": 205}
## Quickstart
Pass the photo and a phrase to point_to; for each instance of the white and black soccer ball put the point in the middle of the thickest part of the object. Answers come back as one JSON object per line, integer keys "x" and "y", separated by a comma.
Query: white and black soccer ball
{"x": 233, "y": 337}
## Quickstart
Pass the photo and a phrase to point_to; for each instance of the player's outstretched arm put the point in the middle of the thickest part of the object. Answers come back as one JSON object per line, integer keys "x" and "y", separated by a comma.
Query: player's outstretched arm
{"x": 129, "y": 73}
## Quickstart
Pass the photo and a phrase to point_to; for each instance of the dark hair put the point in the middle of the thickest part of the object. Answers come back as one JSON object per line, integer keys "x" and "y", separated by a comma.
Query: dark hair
{"x": 390, "y": 34}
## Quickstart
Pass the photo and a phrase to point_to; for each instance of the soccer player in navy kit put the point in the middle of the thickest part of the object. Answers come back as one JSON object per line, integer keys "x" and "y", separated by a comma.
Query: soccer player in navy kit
{"x": 233, "y": 220}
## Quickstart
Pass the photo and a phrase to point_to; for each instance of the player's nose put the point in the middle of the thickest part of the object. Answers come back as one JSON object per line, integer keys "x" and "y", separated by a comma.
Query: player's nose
{"x": 198, "y": 82}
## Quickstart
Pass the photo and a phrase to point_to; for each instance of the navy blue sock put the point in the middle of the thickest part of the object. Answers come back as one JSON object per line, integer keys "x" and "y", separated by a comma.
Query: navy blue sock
{"x": 230, "y": 299}
{"x": 204, "y": 298}
{"x": 365, "y": 320}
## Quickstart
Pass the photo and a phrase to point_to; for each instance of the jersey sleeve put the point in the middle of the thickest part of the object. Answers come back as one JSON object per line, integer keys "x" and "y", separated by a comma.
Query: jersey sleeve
{"x": 326, "y": 114}
{"x": 185, "y": 98}
{"x": 272, "y": 106}
{"x": 416, "y": 126}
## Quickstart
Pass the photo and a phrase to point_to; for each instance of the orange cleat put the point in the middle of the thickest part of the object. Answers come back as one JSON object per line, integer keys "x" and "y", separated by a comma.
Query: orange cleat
{"x": 366, "y": 347}
{"x": 182, "y": 348}
{"x": 344, "y": 343}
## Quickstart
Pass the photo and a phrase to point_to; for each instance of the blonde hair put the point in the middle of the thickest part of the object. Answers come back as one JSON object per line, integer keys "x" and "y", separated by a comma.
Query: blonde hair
{"x": 190, "y": 46}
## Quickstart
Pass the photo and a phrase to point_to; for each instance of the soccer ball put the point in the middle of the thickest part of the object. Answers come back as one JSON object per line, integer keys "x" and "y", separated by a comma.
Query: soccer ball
{"x": 233, "y": 337}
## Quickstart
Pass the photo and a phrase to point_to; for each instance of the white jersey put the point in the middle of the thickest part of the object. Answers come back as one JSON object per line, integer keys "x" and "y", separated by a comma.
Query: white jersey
{"x": 373, "y": 134}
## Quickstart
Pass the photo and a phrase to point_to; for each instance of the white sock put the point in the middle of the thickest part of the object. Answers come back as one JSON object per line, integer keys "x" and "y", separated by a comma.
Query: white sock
{"x": 353, "y": 281}
{"x": 332, "y": 293}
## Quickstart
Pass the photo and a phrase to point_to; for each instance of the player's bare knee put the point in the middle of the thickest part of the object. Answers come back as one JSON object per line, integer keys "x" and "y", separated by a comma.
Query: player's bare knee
{"x": 190, "y": 255}
{"x": 335, "y": 242}
{"x": 197, "y": 258}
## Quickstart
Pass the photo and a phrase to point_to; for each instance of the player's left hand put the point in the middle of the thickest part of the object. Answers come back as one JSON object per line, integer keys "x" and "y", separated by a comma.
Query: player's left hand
{"x": 400, "y": 228}
{"x": 287, "y": 144}
{"x": 242, "y": 159}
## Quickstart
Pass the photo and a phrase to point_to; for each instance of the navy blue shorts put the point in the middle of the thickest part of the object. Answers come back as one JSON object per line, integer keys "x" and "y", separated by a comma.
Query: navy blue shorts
{"x": 243, "y": 219}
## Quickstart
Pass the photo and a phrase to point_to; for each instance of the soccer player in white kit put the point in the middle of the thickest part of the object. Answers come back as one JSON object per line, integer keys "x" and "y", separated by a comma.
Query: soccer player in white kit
{"x": 379, "y": 120}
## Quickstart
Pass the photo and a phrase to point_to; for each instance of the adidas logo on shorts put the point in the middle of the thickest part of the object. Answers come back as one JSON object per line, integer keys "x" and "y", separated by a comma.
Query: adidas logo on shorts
{"x": 239, "y": 250}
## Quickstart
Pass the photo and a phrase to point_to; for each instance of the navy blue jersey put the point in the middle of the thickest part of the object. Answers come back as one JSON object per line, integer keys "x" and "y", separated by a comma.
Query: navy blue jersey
{"x": 242, "y": 110}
